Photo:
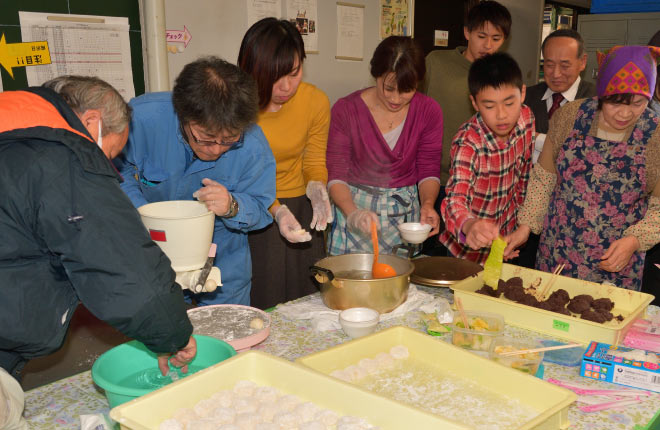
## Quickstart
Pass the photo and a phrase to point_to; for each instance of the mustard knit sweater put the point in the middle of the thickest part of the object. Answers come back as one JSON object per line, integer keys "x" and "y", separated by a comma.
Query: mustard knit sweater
{"x": 298, "y": 136}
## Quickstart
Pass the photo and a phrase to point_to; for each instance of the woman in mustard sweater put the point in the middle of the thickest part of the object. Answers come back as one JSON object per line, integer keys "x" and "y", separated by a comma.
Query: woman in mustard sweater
{"x": 295, "y": 117}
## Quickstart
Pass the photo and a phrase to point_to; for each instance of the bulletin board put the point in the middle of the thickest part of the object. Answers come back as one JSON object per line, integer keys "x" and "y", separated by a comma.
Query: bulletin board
{"x": 10, "y": 26}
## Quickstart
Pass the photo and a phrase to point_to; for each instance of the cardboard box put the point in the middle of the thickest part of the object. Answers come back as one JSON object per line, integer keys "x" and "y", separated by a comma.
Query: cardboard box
{"x": 604, "y": 362}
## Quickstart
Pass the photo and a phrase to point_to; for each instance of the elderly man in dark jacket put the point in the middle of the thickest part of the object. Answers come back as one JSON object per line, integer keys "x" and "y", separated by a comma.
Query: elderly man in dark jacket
{"x": 70, "y": 234}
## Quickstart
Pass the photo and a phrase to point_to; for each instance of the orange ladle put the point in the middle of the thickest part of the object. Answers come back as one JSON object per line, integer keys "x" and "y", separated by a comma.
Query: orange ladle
{"x": 379, "y": 270}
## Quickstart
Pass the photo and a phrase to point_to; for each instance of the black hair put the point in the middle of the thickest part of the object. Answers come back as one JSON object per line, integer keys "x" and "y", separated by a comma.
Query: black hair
{"x": 489, "y": 11}
{"x": 402, "y": 56}
{"x": 566, "y": 32}
{"x": 215, "y": 94}
{"x": 494, "y": 70}
{"x": 268, "y": 51}
{"x": 617, "y": 99}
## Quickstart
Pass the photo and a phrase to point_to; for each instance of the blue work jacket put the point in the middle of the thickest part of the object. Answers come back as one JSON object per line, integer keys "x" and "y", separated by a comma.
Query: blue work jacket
{"x": 158, "y": 165}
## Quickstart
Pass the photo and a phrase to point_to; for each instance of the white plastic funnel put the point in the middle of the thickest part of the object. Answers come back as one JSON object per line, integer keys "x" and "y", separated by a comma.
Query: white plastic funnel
{"x": 183, "y": 229}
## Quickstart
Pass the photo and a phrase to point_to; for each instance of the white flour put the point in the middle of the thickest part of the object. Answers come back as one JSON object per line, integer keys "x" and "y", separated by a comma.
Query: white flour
{"x": 429, "y": 388}
{"x": 225, "y": 322}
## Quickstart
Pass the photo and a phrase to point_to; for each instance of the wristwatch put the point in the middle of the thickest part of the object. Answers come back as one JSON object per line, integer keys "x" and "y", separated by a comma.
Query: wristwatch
{"x": 233, "y": 208}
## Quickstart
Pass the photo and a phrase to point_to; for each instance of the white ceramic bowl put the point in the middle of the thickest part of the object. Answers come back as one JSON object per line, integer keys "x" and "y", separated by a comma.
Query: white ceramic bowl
{"x": 414, "y": 232}
{"x": 358, "y": 322}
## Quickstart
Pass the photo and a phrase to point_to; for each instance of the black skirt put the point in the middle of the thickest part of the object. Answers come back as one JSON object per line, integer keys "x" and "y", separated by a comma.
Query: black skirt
{"x": 280, "y": 269}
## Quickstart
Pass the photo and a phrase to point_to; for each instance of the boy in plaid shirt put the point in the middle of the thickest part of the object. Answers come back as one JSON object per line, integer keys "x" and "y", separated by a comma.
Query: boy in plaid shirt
{"x": 491, "y": 157}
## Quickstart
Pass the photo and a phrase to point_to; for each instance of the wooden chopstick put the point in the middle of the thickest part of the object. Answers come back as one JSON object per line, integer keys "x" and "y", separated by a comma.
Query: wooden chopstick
{"x": 552, "y": 280}
{"x": 461, "y": 312}
{"x": 547, "y": 348}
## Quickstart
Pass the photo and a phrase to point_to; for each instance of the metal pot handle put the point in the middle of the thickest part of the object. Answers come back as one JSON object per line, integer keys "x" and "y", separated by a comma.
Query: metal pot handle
{"x": 410, "y": 250}
{"x": 321, "y": 274}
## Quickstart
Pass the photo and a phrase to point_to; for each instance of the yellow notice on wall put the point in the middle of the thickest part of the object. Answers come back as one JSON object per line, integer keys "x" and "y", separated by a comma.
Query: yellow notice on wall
{"x": 23, "y": 54}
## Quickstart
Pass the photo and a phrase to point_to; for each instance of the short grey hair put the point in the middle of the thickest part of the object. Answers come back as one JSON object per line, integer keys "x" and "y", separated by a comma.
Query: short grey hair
{"x": 83, "y": 93}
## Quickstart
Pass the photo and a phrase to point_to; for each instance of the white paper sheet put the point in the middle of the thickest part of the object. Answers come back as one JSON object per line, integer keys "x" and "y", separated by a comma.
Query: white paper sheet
{"x": 260, "y": 9}
{"x": 81, "y": 45}
{"x": 303, "y": 14}
{"x": 350, "y": 32}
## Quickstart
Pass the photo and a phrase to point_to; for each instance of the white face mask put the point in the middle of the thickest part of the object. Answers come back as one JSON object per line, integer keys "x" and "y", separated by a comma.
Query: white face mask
{"x": 99, "y": 141}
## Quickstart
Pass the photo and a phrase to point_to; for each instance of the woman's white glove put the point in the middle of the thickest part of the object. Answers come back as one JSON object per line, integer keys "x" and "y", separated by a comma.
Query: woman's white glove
{"x": 322, "y": 212}
{"x": 290, "y": 227}
{"x": 361, "y": 219}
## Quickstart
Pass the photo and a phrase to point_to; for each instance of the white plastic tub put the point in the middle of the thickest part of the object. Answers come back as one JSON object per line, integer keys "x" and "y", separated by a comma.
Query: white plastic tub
{"x": 183, "y": 229}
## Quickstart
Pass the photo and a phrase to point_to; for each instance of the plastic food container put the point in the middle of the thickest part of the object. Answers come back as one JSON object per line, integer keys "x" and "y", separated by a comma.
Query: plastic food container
{"x": 358, "y": 322}
{"x": 484, "y": 328}
{"x": 628, "y": 303}
{"x": 183, "y": 229}
{"x": 549, "y": 400}
{"x": 414, "y": 232}
{"x": 130, "y": 370}
{"x": 147, "y": 412}
{"x": 527, "y": 363}
{"x": 233, "y": 324}
{"x": 570, "y": 357}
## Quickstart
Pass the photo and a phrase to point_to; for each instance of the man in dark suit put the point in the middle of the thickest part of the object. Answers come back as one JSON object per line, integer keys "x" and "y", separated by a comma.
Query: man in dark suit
{"x": 563, "y": 61}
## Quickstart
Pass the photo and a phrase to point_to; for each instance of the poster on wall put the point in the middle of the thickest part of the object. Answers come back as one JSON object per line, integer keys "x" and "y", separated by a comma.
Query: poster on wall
{"x": 303, "y": 14}
{"x": 85, "y": 45}
{"x": 350, "y": 31}
{"x": 396, "y": 18}
{"x": 260, "y": 9}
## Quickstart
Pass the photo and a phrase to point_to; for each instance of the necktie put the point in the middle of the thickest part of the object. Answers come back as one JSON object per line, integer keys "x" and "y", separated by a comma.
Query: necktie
{"x": 557, "y": 98}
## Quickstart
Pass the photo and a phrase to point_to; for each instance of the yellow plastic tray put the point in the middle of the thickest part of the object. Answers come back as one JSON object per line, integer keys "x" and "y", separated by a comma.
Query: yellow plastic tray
{"x": 630, "y": 304}
{"x": 147, "y": 412}
{"x": 550, "y": 400}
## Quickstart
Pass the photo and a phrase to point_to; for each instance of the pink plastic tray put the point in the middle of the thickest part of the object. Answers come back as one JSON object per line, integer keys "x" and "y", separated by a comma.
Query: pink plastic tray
{"x": 231, "y": 324}
{"x": 642, "y": 335}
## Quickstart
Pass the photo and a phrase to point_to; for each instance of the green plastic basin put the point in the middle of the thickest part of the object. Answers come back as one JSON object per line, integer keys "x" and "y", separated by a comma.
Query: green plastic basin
{"x": 130, "y": 370}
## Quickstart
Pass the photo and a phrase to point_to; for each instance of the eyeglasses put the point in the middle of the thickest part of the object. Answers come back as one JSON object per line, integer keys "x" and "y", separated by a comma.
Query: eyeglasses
{"x": 213, "y": 142}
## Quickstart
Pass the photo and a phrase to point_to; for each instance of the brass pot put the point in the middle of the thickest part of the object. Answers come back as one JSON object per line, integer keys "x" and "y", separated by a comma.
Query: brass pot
{"x": 341, "y": 285}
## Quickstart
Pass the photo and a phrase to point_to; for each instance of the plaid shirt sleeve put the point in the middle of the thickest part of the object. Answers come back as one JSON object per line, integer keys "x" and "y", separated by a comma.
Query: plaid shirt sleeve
{"x": 462, "y": 178}
{"x": 529, "y": 135}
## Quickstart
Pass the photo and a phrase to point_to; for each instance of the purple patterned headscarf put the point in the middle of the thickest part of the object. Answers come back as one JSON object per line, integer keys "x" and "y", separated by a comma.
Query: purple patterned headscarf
{"x": 627, "y": 70}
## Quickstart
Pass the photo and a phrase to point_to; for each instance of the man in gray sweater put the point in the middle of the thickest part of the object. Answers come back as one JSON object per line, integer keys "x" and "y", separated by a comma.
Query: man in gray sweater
{"x": 487, "y": 26}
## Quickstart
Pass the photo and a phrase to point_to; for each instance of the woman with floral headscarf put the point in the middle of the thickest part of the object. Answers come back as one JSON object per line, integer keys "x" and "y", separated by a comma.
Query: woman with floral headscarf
{"x": 594, "y": 195}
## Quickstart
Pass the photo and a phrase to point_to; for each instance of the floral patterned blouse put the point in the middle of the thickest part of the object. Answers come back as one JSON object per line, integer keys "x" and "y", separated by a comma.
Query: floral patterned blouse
{"x": 543, "y": 178}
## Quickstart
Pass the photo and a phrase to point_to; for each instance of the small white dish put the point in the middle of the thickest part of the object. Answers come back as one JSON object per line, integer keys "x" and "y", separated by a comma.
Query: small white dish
{"x": 414, "y": 232}
{"x": 358, "y": 322}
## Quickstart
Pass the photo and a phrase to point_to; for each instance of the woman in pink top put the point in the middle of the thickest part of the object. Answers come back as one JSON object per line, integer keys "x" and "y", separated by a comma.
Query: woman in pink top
{"x": 384, "y": 152}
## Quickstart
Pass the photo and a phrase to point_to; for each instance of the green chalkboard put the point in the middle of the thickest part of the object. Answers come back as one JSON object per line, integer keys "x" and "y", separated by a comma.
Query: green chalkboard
{"x": 10, "y": 26}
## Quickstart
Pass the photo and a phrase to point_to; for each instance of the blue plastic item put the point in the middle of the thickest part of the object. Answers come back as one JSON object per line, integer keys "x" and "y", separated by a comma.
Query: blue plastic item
{"x": 621, "y": 6}
{"x": 540, "y": 371}
{"x": 566, "y": 357}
